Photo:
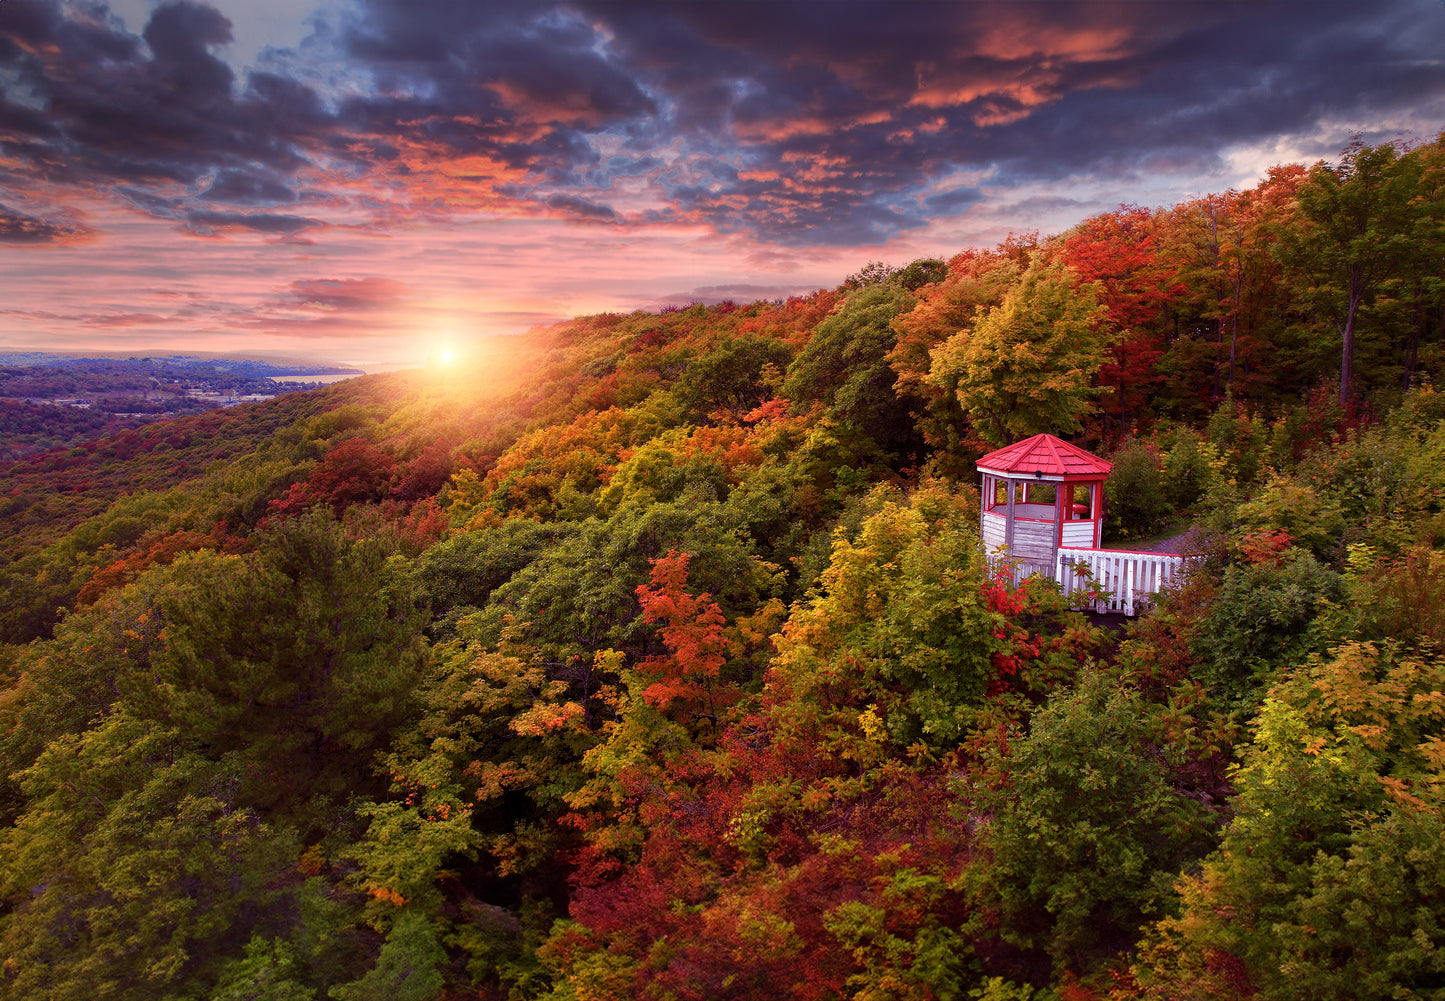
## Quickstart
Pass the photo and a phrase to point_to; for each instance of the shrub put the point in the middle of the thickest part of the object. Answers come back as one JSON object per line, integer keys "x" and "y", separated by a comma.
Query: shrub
{"x": 1293, "y": 507}
{"x": 1188, "y": 469}
{"x": 1137, "y": 503}
{"x": 1264, "y": 617}
{"x": 1242, "y": 440}
{"x": 1085, "y": 827}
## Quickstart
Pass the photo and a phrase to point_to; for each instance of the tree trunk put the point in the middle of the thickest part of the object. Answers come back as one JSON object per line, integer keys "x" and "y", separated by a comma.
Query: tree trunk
{"x": 1234, "y": 332}
{"x": 1412, "y": 347}
{"x": 1347, "y": 343}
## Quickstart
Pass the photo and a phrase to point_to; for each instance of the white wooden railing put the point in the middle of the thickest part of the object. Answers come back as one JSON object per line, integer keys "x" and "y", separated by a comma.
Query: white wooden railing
{"x": 1118, "y": 579}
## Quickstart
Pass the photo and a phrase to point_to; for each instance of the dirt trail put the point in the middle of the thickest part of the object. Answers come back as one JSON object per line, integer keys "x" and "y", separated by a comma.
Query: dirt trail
{"x": 1173, "y": 544}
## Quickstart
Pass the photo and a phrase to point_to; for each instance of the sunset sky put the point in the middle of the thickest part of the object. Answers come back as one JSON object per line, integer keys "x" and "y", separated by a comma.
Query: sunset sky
{"x": 363, "y": 181}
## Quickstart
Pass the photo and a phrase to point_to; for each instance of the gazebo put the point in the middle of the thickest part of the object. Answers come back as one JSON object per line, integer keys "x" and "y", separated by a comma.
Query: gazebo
{"x": 1043, "y": 509}
{"x": 1040, "y": 495}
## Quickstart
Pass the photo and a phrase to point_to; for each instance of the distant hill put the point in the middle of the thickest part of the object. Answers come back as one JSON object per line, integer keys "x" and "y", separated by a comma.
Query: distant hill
{"x": 247, "y": 367}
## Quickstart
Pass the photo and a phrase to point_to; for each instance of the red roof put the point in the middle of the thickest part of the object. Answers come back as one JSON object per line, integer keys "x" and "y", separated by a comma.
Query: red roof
{"x": 1043, "y": 453}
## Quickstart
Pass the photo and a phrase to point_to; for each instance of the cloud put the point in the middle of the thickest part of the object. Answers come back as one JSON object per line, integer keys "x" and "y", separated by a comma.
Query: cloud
{"x": 17, "y": 227}
{"x": 947, "y": 203}
{"x": 818, "y": 125}
{"x": 711, "y": 295}
{"x": 88, "y": 105}
{"x": 124, "y": 321}
{"x": 180, "y": 34}
{"x": 345, "y": 294}
{"x": 206, "y": 222}
{"x": 580, "y": 207}
{"x": 242, "y": 187}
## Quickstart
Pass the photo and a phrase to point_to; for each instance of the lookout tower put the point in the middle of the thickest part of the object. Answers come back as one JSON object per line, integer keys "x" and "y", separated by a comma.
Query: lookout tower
{"x": 1040, "y": 495}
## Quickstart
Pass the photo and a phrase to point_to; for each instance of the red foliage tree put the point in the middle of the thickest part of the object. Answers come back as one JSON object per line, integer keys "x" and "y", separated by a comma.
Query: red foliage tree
{"x": 1118, "y": 250}
{"x": 692, "y": 628}
{"x": 354, "y": 472}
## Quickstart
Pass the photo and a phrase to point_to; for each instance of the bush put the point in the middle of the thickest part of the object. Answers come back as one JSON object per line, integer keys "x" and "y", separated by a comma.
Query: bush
{"x": 1291, "y": 506}
{"x": 1188, "y": 469}
{"x": 1085, "y": 825}
{"x": 1330, "y": 881}
{"x": 1401, "y": 600}
{"x": 1243, "y": 441}
{"x": 1134, "y": 492}
{"x": 1264, "y": 617}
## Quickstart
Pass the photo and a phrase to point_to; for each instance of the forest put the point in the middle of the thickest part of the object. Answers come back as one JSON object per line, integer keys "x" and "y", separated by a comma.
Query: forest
{"x": 657, "y": 655}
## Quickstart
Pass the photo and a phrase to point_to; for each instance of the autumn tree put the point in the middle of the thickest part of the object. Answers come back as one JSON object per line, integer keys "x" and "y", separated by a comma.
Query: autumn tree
{"x": 1231, "y": 308}
{"x": 976, "y": 282}
{"x": 1425, "y": 277}
{"x": 1117, "y": 254}
{"x": 812, "y": 851}
{"x": 1027, "y": 366}
{"x": 1357, "y": 238}
{"x": 691, "y": 625}
{"x": 353, "y": 472}
{"x": 230, "y": 708}
{"x": 733, "y": 378}
{"x": 844, "y": 366}
{"x": 1086, "y": 823}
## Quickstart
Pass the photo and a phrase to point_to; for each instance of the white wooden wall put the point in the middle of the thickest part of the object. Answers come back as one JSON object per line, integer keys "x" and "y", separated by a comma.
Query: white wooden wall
{"x": 1033, "y": 546}
{"x": 994, "y": 527}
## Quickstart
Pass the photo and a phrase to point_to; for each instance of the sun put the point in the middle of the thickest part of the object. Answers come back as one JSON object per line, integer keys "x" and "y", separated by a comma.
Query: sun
{"x": 444, "y": 355}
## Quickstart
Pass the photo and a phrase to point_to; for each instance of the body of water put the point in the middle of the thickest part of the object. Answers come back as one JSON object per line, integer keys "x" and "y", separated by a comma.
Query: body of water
{"x": 325, "y": 380}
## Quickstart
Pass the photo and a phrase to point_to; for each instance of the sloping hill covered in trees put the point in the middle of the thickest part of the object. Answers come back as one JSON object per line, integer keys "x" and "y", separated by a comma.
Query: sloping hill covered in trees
{"x": 657, "y": 656}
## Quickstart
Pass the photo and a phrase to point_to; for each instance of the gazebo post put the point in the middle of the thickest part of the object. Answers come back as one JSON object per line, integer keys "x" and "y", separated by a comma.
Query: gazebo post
{"x": 1063, "y": 507}
{"x": 1008, "y": 529}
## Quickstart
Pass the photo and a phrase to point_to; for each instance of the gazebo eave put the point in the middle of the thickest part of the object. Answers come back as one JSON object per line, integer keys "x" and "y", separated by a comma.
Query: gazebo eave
{"x": 1035, "y": 477}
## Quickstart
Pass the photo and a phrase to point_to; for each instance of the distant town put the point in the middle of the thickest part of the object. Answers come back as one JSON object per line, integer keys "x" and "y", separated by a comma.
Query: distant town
{"x": 49, "y": 401}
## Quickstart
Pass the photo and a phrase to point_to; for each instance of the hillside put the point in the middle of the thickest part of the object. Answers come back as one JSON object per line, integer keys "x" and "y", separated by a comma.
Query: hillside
{"x": 657, "y": 655}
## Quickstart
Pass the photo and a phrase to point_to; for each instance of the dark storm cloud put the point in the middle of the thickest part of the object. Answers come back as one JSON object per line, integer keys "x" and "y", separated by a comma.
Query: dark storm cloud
{"x": 89, "y": 105}
{"x": 18, "y": 227}
{"x": 1192, "y": 90}
{"x": 152, "y": 204}
{"x": 212, "y": 222}
{"x": 580, "y": 207}
{"x": 624, "y": 166}
{"x": 901, "y": 95}
{"x": 240, "y": 187}
{"x": 835, "y": 112}
{"x": 953, "y": 202}
{"x": 798, "y": 123}
{"x": 206, "y": 222}
{"x": 179, "y": 35}
{"x": 543, "y": 61}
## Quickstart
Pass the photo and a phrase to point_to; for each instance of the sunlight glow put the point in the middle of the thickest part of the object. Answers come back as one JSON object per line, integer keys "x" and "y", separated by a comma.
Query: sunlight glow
{"x": 443, "y": 355}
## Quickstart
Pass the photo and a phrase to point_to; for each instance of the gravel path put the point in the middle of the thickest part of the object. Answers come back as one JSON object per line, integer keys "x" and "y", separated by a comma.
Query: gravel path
{"x": 1173, "y": 544}
{"x": 1177, "y": 544}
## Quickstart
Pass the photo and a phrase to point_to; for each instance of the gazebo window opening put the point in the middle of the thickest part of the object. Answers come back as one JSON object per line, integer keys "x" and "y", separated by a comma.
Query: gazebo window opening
{"x": 1040, "y": 493}
{"x": 1000, "y": 492}
{"x": 996, "y": 491}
